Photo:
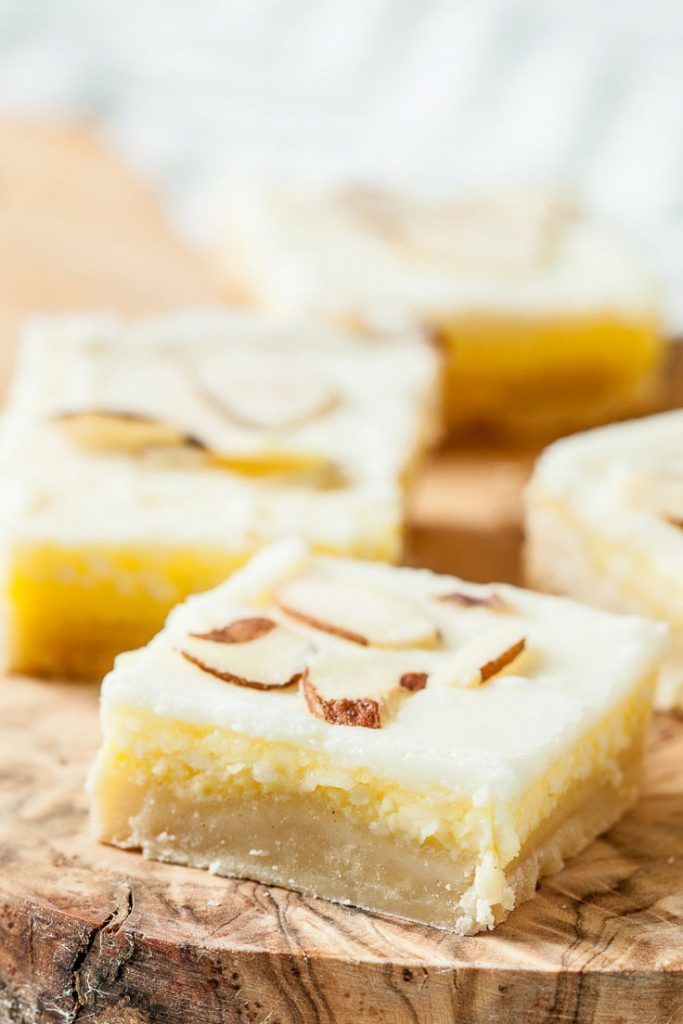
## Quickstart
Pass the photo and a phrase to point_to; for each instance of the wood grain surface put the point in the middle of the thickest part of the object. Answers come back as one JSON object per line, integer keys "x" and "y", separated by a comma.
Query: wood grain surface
{"x": 89, "y": 933}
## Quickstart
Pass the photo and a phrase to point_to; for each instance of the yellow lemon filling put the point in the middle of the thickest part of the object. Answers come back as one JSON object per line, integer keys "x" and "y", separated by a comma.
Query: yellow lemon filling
{"x": 71, "y": 610}
{"x": 546, "y": 372}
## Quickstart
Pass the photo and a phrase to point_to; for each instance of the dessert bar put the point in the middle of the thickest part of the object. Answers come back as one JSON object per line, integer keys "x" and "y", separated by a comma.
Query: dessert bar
{"x": 389, "y": 738}
{"x": 143, "y": 462}
{"x": 549, "y": 320}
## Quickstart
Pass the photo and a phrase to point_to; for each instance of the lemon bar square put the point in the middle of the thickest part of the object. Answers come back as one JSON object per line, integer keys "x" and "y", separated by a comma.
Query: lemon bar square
{"x": 384, "y": 737}
{"x": 548, "y": 319}
{"x": 145, "y": 461}
{"x": 604, "y": 515}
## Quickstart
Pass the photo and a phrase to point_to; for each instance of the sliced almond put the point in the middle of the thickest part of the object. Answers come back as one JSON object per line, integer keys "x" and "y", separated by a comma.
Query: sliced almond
{"x": 491, "y": 600}
{"x": 357, "y": 614}
{"x": 309, "y": 467}
{"x": 485, "y": 657}
{"x": 118, "y": 431}
{"x": 413, "y": 681}
{"x": 351, "y": 687}
{"x": 285, "y": 398}
{"x": 254, "y": 651}
{"x": 506, "y": 233}
{"x": 362, "y": 711}
{"x": 501, "y": 660}
{"x": 241, "y": 631}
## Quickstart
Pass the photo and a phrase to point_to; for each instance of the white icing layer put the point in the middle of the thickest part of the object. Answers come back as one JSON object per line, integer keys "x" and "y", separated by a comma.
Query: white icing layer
{"x": 340, "y": 251}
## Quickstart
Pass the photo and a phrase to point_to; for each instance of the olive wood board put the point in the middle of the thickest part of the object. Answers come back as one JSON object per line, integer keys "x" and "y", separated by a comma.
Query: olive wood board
{"x": 90, "y": 933}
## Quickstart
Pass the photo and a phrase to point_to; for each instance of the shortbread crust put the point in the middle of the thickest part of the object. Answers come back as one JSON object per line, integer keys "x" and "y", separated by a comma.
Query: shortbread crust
{"x": 448, "y": 808}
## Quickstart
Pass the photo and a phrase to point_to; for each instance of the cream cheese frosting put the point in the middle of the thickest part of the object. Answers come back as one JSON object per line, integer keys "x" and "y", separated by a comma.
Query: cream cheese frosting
{"x": 341, "y": 250}
{"x": 488, "y": 743}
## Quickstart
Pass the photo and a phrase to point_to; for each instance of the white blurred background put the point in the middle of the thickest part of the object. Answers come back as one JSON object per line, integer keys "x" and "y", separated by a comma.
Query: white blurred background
{"x": 465, "y": 93}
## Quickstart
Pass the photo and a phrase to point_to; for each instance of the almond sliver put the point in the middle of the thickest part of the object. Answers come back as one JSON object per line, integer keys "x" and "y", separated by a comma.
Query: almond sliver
{"x": 127, "y": 432}
{"x": 284, "y": 399}
{"x": 351, "y": 687}
{"x": 484, "y": 657}
{"x": 491, "y": 600}
{"x": 360, "y": 711}
{"x": 254, "y": 652}
{"x": 370, "y": 618}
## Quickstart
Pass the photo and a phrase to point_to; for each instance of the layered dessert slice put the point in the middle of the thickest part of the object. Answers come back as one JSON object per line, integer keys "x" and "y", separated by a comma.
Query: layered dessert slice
{"x": 548, "y": 319}
{"x": 143, "y": 462}
{"x": 604, "y": 517}
{"x": 390, "y": 738}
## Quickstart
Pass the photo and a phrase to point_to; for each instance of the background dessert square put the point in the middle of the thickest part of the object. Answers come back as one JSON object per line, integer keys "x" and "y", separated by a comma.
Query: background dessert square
{"x": 547, "y": 318}
{"x": 144, "y": 462}
{"x": 604, "y": 525}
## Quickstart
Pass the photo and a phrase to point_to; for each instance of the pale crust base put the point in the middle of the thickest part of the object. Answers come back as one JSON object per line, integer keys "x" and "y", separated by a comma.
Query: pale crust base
{"x": 297, "y": 843}
{"x": 562, "y": 557}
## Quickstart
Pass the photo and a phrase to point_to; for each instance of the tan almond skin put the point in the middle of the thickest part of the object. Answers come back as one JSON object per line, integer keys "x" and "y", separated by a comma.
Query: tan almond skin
{"x": 494, "y": 601}
{"x": 241, "y": 631}
{"x": 493, "y": 667}
{"x": 228, "y": 677}
{"x": 223, "y": 405}
{"x": 362, "y": 712}
{"x": 326, "y": 627}
{"x": 413, "y": 681}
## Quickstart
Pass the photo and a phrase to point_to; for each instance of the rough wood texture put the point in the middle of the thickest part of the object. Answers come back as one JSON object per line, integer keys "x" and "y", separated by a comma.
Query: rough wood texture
{"x": 93, "y": 934}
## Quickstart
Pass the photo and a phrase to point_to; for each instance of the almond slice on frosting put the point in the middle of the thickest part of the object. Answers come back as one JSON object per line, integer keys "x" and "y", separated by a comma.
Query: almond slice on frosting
{"x": 253, "y": 651}
{"x": 304, "y": 466}
{"x": 509, "y": 233}
{"x": 119, "y": 431}
{"x": 370, "y": 618}
{"x": 485, "y": 656}
{"x": 285, "y": 399}
{"x": 241, "y": 631}
{"x": 413, "y": 681}
{"x": 350, "y": 689}
{"x": 362, "y": 711}
{"x": 490, "y": 600}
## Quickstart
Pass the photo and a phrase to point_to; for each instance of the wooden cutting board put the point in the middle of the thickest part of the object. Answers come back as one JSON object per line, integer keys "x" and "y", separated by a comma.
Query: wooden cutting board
{"x": 89, "y": 933}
